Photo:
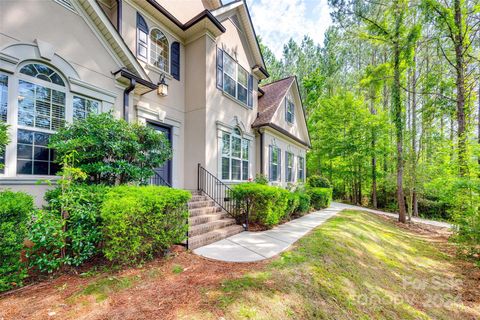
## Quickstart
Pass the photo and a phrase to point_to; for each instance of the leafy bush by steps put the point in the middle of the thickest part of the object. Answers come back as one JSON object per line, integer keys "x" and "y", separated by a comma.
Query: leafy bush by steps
{"x": 15, "y": 210}
{"x": 140, "y": 221}
{"x": 267, "y": 204}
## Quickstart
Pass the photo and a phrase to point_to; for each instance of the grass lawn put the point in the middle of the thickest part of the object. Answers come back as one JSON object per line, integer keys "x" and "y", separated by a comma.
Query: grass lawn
{"x": 355, "y": 266}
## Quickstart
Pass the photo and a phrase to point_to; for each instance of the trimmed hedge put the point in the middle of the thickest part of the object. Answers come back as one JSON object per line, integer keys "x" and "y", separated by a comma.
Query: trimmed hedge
{"x": 15, "y": 210}
{"x": 303, "y": 202}
{"x": 317, "y": 181}
{"x": 140, "y": 221}
{"x": 268, "y": 204}
{"x": 320, "y": 197}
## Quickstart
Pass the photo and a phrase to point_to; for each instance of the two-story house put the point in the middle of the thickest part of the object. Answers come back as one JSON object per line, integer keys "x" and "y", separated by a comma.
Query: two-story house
{"x": 63, "y": 59}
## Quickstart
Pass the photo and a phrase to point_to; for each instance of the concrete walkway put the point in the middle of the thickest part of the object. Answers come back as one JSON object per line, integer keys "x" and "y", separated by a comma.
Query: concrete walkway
{"x": 393, "y": 215}
{"x": 256, "y": 246}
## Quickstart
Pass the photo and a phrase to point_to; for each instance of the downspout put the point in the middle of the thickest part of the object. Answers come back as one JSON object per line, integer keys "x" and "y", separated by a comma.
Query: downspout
{"x": 126, "y": 94}
{"x": 119, "y": 16}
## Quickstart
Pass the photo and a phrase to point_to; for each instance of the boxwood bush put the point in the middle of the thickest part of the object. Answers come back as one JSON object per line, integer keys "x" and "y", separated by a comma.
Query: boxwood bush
{"x": 15, "y": 210}
{"x": 141, "y": 221}
{"x": 317, "y": 181}
{"x": 320, "y": 197}
{"x": 267, "y": 204}
{"x": 303, "y": 202}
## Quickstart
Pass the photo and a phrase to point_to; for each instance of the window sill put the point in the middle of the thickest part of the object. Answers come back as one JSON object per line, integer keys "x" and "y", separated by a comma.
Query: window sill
{"x": 28, "y": 180}
{"x": 158, "y": 70}
{"x": 235, "y": 100}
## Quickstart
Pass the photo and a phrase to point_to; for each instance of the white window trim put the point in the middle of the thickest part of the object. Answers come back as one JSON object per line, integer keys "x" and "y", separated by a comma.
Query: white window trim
{"x": 10, "y": 170}
{"x": 278, "y": 164}
{"x": 150, "y": 64}
{"x": 287, "y": 167}
{"x": 235, "y": 78}
{"x": 302, "y": 163}
{"x": 243, "y": 138}
{"x": 288, "y": 101}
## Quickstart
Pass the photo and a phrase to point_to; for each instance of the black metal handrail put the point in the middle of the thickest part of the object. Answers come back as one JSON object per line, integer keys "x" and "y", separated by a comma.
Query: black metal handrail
{"x": 157, "y": 180}
{"x": 220, "y": 193}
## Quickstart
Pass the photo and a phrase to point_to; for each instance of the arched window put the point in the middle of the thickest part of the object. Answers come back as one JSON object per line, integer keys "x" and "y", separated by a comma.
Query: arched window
{"x": 159, "y": 54}
{"x": 41, "y": 111}
{"x": 235, "y": 156}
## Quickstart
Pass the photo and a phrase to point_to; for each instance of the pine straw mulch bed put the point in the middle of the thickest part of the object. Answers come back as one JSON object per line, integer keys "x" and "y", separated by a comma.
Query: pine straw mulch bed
{"x": 157, "y": 290}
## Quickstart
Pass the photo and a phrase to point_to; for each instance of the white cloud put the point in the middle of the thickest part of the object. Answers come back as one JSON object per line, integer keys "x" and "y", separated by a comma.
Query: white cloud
{"x": 276, "y": 21}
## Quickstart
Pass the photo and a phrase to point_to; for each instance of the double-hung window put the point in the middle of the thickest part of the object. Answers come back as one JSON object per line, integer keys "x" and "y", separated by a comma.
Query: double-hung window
{"x": 289, "y": 110}
{"x": 233, "y": 79}
{"x": 288, "y": 166}
{"x": 275, "y": 161}
{"x": 235, "y": 156}
{"x": 301, "y": 169}
{"x": 3, "y": 111}
{"x": 82, "y": 107}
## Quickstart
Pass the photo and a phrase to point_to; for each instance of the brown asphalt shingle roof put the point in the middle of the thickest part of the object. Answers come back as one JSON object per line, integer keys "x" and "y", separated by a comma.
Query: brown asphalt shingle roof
{"x": 270, "y": 101}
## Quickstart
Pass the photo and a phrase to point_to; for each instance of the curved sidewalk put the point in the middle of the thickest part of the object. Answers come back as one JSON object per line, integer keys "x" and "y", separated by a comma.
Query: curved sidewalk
{"x": 255, "y": 246}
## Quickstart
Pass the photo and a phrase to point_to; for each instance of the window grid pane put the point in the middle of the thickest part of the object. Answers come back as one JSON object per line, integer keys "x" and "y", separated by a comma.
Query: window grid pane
{"x": 40, "y": 107}
{"x": 159, "y": 50}
{"x": 82, "y": 107}
{"x": 33, "y": 155}
{"x": 3, "y": 97}
{"x": 235, "y": 157}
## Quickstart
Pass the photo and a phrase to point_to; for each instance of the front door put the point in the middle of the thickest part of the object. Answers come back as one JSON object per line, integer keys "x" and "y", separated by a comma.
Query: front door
{"x": 164, "y": 171}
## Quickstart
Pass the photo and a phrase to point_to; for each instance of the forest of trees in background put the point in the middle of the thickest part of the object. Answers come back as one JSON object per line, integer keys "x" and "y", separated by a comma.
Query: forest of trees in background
{"x": 392, "y": 103}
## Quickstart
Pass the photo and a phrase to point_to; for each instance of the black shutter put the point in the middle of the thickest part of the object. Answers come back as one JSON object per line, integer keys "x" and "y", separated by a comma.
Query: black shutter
{"x": 219, "y": 69}
{"x": 286, "y": 166}
{"x": 175, "y": 60}
{"x": 250, "y": 91}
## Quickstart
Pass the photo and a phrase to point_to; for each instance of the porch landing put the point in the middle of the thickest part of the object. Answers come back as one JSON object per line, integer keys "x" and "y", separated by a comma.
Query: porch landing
{"x": 256, "y": 246}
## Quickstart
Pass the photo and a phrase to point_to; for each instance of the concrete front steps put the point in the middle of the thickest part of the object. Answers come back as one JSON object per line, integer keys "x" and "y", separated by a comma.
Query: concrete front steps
{"x": 208, "y": 223}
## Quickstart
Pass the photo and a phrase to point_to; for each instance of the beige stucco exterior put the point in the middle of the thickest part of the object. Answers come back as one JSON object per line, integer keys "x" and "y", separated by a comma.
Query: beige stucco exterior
{"x": 80, "y": 42}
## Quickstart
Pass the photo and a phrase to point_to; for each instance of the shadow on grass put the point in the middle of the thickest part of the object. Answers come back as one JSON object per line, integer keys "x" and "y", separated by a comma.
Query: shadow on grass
{"x": 355, "y": 266}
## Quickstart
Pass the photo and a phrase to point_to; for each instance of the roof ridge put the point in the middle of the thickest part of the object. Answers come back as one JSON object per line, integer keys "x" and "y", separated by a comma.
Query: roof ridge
{"x": 274, "y": 82}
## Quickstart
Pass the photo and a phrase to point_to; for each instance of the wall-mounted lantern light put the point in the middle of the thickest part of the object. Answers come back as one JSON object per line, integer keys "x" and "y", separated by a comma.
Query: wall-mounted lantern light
{"x": 162, "y": 89}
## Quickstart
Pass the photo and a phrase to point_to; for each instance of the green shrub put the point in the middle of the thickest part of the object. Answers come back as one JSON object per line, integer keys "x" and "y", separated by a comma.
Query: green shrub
{"x": 293, "y": 200}
{"x": 15, "y": 210}
{"x": 112, "y": 151}
{"x": 46, "y": 233}
{"x": 303, "y": 202}
{"x": 83, "y": 222}
{"x": 267, "y": 205}
{"x": 316, "y": 181}
{"x": 261, "y": 179}
{"x": 320, "y": 197}
{"x": 141, "y": 221}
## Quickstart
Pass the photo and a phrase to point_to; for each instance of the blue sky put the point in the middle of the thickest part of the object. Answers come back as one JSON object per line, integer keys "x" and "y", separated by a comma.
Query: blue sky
{"x": 276, "y": 21}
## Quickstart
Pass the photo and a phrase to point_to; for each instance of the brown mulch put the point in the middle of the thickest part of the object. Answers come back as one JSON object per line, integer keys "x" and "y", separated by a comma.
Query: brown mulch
{"x": 157, "y": 292}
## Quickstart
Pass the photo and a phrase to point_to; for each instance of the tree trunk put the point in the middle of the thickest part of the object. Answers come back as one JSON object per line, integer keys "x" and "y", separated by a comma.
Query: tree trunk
{"x": 460, "y": 83}
{"x": 397, "y": 111}
{"x": 414, "y": 135}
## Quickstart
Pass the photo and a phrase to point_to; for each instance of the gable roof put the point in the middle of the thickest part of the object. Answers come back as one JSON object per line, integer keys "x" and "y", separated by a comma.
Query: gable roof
{"x": 268, "y": 104}
{"x": 112, "y": 37}
{"x": 260, "y": 67}
{"x": 270, "y": 101}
